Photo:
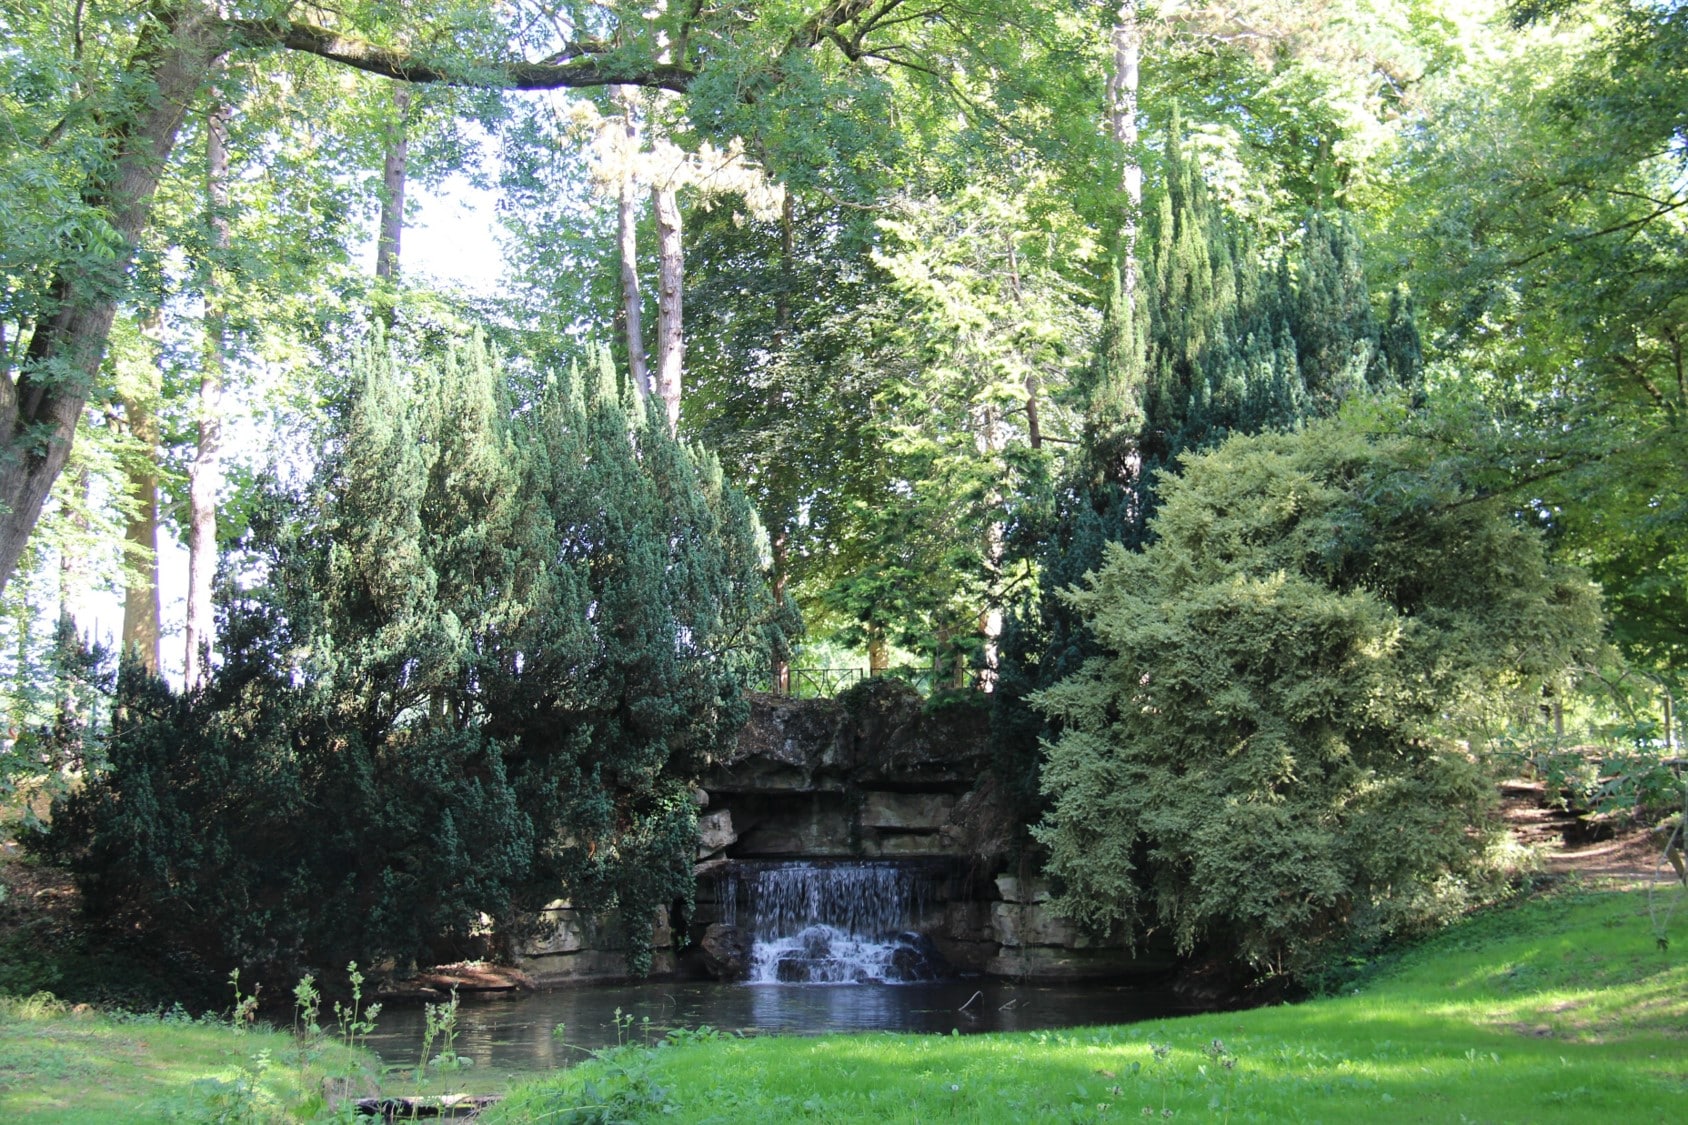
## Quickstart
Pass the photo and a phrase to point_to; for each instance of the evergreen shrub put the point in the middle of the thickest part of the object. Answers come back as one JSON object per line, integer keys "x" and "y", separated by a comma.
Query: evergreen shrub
{"x": 466, "y": 671}
{"x": 1266, "y": 755}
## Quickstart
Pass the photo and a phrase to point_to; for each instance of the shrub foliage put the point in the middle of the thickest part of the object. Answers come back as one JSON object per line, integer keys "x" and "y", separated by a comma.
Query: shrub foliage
{"x": 467, "y": 670}
{"x": 1265, "y": 755}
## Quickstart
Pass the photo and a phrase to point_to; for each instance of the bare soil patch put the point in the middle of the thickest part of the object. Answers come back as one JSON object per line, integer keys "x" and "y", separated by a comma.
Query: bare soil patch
{"x": 1609, "y": 849}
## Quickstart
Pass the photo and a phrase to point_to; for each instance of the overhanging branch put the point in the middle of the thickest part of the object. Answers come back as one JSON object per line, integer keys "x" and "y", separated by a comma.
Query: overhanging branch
{"x": 581, "y": 71}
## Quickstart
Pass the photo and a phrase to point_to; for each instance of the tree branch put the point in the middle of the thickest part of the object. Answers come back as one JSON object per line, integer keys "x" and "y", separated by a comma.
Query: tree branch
{"x": 1631, "y": 224}
{"x": 581, "y": 71}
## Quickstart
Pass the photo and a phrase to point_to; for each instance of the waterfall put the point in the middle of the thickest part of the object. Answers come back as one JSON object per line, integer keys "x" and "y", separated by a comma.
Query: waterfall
{"x": 834, "y": 923}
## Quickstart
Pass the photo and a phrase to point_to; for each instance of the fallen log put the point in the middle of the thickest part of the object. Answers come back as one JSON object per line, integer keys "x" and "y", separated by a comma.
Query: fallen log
{"x": 446, "y": 1106}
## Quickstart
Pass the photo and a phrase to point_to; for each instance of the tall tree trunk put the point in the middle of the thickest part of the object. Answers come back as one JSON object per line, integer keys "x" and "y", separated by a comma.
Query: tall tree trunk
{"x": 780, "y": 569}
{"x": 627, "y": 218}
{"x": 782, "y": 333}
{"x": 878, "y": 652}
{"x": 1034, "y": 431}
{"x": 990, "y": 618}
{"x": 1127, "y": 42}
{"x": 205, "y": 474}
{"x": 71, "y": 722}
{"x": 788, "y": 272}
{"x": 670, "y": 324}
{"x": 989, "y": 442}
{"x": 395, "y": 170}
{"x": 178, "y": 47}
{"x": 141, "y": 610}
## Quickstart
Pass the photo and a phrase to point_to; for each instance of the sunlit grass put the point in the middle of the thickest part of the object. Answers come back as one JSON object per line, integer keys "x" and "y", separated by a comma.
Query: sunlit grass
{"x": 1564, "y": 1009}
{"x": 58, "y": 1065}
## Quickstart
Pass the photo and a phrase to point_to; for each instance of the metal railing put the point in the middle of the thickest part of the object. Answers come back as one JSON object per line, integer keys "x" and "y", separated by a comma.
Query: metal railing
{"x": 824, "y": 683}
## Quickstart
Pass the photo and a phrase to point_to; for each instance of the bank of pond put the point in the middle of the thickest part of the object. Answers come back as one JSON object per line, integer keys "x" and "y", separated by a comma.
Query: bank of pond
{"x": 1571, "y": 1006}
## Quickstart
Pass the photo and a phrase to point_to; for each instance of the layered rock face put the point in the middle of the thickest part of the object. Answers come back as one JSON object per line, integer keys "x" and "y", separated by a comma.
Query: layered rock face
{"x": 875, "y": 774}
{"x": 869, "y": 774}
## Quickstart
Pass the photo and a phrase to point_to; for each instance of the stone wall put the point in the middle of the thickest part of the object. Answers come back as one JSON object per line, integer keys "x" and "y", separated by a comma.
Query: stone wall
{"x": 572, "y": 946}
{"x": 877, "y": 774}
{"x": 873, "y": 774}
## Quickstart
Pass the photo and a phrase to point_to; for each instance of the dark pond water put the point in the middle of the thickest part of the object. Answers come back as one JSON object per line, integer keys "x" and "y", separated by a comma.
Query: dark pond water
{"x": 518, "y": 1032}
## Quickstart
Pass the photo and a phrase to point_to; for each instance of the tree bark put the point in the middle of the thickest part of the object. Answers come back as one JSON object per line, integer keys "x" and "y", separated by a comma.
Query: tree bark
{"x": 178, "y": 47}
{"x": 878, "y": 652}
{"x": 779, "y": 571}
{"x": 670, "y": 325}
{"x": 141, "y": 610}
{"x": 1034, "y": 430}
{"x": 394, "y": 172}
{"x": 781, "y": 567}
{"x": 205, "y": 474}
{"x": 627, "y": 216}
{"x": 788, "y": 272}
{"x": 1127, "y": 42}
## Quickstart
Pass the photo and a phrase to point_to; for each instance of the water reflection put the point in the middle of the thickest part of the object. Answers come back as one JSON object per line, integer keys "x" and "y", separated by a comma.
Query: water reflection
{"x": 517, "y": 1032}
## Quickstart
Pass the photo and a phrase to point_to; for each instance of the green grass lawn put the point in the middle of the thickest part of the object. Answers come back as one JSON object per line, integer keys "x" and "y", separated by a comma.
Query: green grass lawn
{"x": 1562, "y": 1009}
{"x": 59, "y": 1065}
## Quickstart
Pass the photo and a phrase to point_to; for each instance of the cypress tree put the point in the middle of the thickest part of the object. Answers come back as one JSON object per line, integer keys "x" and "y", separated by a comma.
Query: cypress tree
{"x": 1222, "y": 342}
{"x": 1335, "y": 329}
{"x": 472, "y": 671}
{"x": 1403, "y": 353}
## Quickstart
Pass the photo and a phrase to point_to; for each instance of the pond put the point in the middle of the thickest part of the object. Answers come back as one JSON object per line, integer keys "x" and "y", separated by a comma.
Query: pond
{"x": 519, "y": 1032}
{"x": 833, "y": 946}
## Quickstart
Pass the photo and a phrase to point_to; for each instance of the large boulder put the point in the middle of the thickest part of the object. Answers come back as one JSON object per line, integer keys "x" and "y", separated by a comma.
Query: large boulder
{"x": 726, "y": 951}
{"x": 714, "y": 832}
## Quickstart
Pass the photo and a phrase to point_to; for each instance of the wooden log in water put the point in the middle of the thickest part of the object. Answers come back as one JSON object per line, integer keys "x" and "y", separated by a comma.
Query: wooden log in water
{"x": 447, "y": 1106}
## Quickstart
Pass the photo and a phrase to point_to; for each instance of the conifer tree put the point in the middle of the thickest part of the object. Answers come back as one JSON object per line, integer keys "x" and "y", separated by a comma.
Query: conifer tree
{"x": 1220, "y": 340}
{"x": 1335, "y": 329}
{"x": 479, "y": 662}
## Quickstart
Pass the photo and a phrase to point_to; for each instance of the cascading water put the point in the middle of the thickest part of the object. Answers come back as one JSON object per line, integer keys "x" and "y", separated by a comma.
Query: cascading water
{"x": 835, "y": 923}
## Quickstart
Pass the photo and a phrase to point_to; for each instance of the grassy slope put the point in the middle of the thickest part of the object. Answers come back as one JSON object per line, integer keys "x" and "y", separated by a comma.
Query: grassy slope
{"x": 57, "y": 1065}
{"x": 1563, "y": 1009}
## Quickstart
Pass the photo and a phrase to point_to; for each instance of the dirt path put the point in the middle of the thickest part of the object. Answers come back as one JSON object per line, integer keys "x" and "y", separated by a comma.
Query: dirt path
{"x": 1569, "y": 845}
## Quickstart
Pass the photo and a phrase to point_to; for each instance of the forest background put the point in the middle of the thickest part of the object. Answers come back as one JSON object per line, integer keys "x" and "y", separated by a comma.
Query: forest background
{"x": 949, "y": 289}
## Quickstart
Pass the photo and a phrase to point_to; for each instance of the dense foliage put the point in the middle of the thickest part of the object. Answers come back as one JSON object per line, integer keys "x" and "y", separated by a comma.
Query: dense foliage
{"x": 1259, "y": 760}
{"x": 1218, "y": 338}
{"x": 954, "y": 290}
{"x": 469, "y": 669}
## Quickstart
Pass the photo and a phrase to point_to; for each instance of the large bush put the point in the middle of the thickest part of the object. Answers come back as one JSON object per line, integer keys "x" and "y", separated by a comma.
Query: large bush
{"x": 1268, "y": 754}
{"x": 467, "y": 670}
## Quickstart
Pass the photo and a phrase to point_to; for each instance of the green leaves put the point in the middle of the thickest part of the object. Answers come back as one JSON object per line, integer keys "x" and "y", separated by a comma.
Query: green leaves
{"x": 467, "y": 673}
{"x": 1266, "y": 752}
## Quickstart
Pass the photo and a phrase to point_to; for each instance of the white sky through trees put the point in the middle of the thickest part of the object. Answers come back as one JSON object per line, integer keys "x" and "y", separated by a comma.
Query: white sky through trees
{"x": 450, "y": 243}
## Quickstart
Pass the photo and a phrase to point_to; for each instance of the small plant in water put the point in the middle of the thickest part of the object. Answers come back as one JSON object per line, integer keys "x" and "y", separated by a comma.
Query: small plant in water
{"x": 353, "y": 1023}
{"x": 440, "y": 1023}
{"x": 623, "y": 1024}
